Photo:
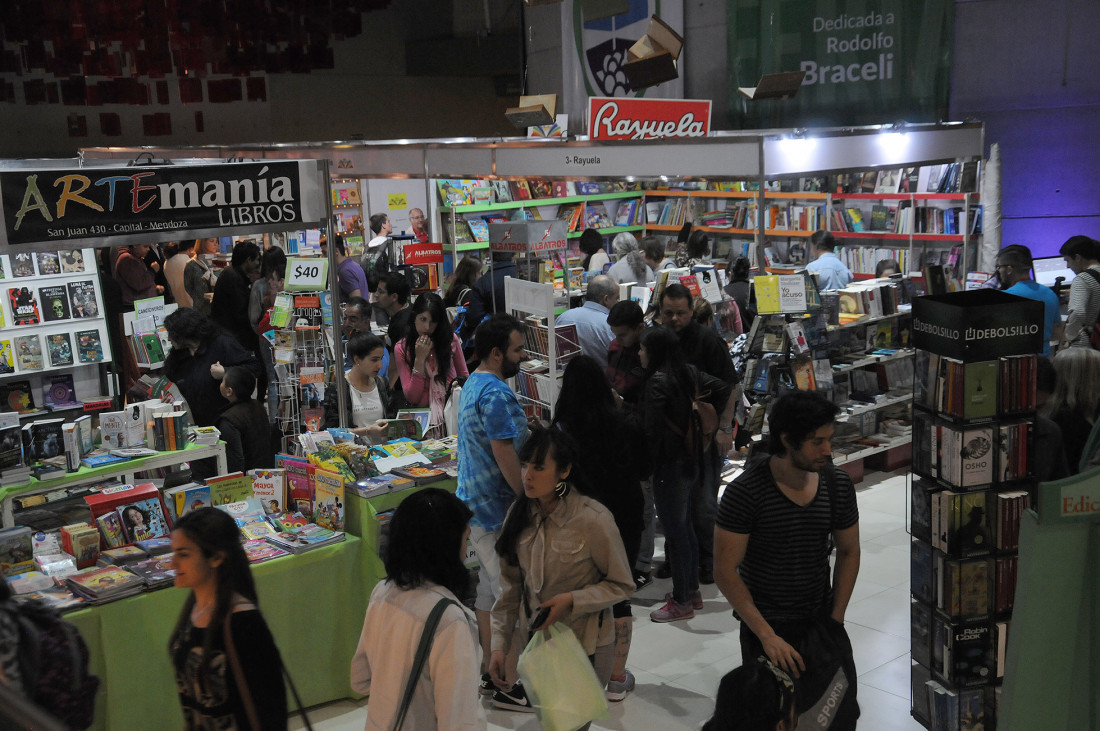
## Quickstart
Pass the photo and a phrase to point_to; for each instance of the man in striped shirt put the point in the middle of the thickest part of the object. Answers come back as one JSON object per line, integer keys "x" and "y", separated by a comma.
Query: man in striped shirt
{"x": 772, "y": 534}
{"x": 1082, "y": 255}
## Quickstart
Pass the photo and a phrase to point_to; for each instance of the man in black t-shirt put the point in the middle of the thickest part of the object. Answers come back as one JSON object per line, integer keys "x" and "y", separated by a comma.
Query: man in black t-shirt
{"x": 772, "y": 533}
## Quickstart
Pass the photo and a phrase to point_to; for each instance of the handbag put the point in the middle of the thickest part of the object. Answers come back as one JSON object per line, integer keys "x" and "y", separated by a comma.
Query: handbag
{"x": 422, "y": 652}
{"x": 560, "y": 681}
{"x": 450, "y": 406}
{"x": 242, "y": 681}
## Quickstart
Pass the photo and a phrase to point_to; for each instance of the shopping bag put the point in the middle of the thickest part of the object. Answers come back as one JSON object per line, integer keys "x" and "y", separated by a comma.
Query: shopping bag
{"x": 560, "y": 681}
{"x": 827, "y": 688}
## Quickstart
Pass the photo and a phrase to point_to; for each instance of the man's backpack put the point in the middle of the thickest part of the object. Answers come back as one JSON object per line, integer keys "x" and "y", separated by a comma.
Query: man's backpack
{"x": 53, "y": 662}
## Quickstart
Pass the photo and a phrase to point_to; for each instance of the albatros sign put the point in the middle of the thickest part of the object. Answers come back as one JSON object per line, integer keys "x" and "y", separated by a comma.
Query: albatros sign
{"x": 88, "y": 206}
{"x": 638, "y": 118}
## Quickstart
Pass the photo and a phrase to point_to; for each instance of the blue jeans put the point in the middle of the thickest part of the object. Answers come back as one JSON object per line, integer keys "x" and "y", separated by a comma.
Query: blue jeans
{"x": 674, "y": 483}
{"x": 704, "y": 506}
{"x": 644, "y": 561}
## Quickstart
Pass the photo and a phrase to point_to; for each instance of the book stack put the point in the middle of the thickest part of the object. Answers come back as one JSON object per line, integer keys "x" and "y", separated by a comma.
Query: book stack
{"x": 16, "y": 551}
{"x": 169, "y": 430}
{"x": 155, "y": 571}
{"x": 259, "y": 551}
{"x": 14, "y": 466}
{"x": 204, "y": 436}
{"x": 305, "y": 538}
{"x": 58, "y": 598}
{"x": 380, "y": 485}
{"x": 104, "y": 583}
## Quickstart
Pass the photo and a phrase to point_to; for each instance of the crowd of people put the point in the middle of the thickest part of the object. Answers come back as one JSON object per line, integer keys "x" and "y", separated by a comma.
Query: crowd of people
{"x": 561, "y": 516}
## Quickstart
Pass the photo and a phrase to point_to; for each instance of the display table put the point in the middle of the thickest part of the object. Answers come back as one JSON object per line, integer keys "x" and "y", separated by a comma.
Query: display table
{"x": 191, "y": 453}
{"x": 360, "y": 520}
{"x": 313, "y": 602}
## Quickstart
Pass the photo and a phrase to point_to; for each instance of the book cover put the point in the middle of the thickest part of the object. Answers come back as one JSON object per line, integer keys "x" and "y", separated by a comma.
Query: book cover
{"x": 82, "y": 299}
{"x": 245, "y": 511}
{"x": 81, "y": 541}
{"x": 22, "y": 265}
{"x": 920, "y": 625}
{"x": 143, "y": 519}
{"x": 879, "y": 216}
{"x": 59, "y": 392}
{"x": 122, "y": 555}
{"x": 192, "y": 498}
{"x": 16, "y": 551}
{"x": 24, "y": 307}
{"x": 72, "y": 261}
{"x": 104, "y": 581}
{"x": 60, "y": 348}
{"x": 328, "y": 508}
{"x": 48, "y": 263}
{"x": 17, "y": 396}
{"x": 154, "y": 571}
{"x": 260, "y": 550}
{"x": 269, "y": 485}
{"x": 55, "y": 303}
{"x": 110, "y": 527}
{"x": 479, "y": 228}
{"x": 89, "y": 346}
{"x": 11, "y": 447}
{"x": 421, "y": 474}
{"x": 159, "y": 546}
{"x": 980, "y": 390}
{"x": 968, "y": 657}
{"x": 920, "y": 570}
{"x": 28, "y": 349}
{"x": 229, "y": 488}
{"x": 7, "y": 357}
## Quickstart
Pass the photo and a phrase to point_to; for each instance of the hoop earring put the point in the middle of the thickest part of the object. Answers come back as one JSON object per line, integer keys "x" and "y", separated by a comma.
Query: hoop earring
{"x": 561, "y": 488}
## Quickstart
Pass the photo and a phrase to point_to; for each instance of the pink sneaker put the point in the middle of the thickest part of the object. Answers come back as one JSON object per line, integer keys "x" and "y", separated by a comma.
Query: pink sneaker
{"x": 672, "y": 611}
{"x": 696, "y": 599}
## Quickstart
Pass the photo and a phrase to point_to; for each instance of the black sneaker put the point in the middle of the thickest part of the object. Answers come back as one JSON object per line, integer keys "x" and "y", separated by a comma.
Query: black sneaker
{"x": 642, "y": 579}
{"x": 486, "y": 687}
{"x": 513, "y": 700}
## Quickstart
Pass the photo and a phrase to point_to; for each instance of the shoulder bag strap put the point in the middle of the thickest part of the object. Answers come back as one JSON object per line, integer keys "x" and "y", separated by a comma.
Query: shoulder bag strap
{"x": 422, "y": 652}
{"x": 238, "y": 674}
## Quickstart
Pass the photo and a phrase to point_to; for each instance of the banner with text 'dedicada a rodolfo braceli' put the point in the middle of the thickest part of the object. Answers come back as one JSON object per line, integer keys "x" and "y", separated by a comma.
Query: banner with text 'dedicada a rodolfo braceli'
{"x": 63, "y": 208}
{"x": 866, "y": 61}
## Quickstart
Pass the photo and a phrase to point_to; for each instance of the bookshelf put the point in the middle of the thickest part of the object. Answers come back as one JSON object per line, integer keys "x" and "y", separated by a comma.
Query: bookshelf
{"x": 973, "y": 467}
{"x": 347, "y": 214}
{"x": 52, "y": 323}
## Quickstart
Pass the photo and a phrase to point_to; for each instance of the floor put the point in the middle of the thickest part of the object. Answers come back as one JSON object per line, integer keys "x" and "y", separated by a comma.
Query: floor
{"x": 678, "y": 665}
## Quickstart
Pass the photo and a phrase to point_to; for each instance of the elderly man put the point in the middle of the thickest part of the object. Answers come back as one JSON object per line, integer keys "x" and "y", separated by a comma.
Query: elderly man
{"x": 593, "y": 332}
{"x": 417, "y": 221}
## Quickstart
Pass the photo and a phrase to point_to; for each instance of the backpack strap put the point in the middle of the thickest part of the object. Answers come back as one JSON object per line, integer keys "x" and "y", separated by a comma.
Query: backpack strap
{"x": 421, "y": 657}
{"x": 238, "y": 674}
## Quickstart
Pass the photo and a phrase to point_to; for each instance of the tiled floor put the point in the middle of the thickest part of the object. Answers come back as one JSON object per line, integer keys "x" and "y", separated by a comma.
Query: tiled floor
{"x": 678, "y": 665}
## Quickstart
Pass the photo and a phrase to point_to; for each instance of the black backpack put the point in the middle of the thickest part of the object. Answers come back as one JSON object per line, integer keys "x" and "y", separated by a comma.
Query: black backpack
{"x": 53, "y": 662}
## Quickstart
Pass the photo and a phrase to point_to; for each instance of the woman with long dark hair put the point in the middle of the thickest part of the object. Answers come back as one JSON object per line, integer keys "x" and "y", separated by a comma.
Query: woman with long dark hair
{"x": 424, "y": 565}
{"x": 595, "y": 256}
{"x": 611, "y": 467}
{"x": 559, "y": 550}
{"x": 429, "y": 358}
{"x": 670, "y": 389}
{"x": 228, "y": 669}
{"x": 466, "y": 273}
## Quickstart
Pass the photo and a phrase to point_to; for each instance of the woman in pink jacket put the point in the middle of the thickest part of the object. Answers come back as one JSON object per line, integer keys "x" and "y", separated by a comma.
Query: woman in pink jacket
{"x": 429, "y": 359}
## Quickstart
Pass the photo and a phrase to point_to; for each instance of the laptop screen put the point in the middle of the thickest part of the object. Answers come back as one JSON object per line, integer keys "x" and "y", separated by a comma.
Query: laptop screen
{"x": 1051, "y": 267}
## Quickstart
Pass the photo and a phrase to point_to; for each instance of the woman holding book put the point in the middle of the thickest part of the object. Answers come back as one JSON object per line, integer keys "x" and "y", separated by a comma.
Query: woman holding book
{"x": 424, "y": 563}
{"x": 429, "y": 359}
{"x": 560, "y": 551}
{"x": 366, "y": 393}
{"x": 244, "y": 425}
{"x": 228, "y": 668}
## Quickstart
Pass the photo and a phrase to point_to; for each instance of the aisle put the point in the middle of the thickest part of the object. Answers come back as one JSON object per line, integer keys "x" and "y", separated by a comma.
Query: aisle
{"x": 678, "y": 665}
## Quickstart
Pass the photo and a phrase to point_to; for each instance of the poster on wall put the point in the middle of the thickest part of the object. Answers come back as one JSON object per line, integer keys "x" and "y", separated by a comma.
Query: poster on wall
{"x": 101, "y": 206}
{"x": 593, "y": 52}
{"x": 866, "y": 61}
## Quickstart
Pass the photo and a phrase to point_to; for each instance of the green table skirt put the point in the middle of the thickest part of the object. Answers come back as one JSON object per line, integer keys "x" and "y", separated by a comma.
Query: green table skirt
{"x": 313, "y": 602}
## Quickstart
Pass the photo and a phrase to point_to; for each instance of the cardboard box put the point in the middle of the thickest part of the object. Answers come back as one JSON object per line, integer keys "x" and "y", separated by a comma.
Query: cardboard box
{"x": 652, "y": 60}
{"x": 528, "y": 237}
{"x": 980, "y": 325}
{"x": 533, "y": 111}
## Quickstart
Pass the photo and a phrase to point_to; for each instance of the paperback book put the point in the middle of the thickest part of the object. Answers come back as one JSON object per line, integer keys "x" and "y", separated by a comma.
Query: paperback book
{"x": 143, "y": 519}
{"x": 328, "y": 509}
{"x": 24, "y": 307}
{"x": 55, "y": 303}
{"x": 28, "y": 350}
{"x": 230, "y": 488}
{"x": 58, "y": 392}
{"x": 102, "y": 584}
{"x": 269, "y": 485}
{"x": 72, "y": 261}
{"x": 60, "y": 347}
{"x": 155, "y": 572}
{"x": 48, "y": 263}
{"x": 22, "y": 265}
{"x": 259, "y": 551}
{"x": 7, "y": 356}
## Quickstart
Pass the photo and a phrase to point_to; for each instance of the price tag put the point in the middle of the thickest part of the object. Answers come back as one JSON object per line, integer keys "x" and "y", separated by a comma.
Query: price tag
{"x": 306, "y": 274}
{"x": 792, "y": 293}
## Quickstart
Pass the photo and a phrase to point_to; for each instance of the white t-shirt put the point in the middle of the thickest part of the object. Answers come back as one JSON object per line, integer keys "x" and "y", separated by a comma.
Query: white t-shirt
{"x": 366, "y": 407}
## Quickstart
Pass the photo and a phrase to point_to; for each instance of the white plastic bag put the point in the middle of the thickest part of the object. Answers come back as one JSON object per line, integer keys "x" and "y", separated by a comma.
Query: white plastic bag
{"x": 450, "y": 410}
{"x": 560, "y": 681}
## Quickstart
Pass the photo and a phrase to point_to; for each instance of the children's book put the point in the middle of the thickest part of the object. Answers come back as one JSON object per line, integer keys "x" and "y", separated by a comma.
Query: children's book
{"x": 60, "y": 347}
{"x": 16, "y": 551}
{"x": 24, "y": 307}
{"x": 155, "y": 572}
{"x": 110, "y": 527}
{"x": 260, "y": 550}
{"x": 328, "y": 508}
{"x": 156, "y": 546}
{"x": 245, "y": 511}
{"x": 229, "y": 488}
{"x": 191, "y": 496}
{"x": 81, "y": 541}
{"x": 269, "y": 485}
{"x": 55, "y": 303}
{"x": 143, "y": 519}
{"x": 122, "y": 555}
{"x": 28, "y": 350}
{"x": 298, "y": 483}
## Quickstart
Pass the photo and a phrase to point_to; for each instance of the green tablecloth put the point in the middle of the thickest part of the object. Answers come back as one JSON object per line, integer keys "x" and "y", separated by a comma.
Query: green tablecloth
{"x": 360, "y": 520}
{"x": 314, "y": 604}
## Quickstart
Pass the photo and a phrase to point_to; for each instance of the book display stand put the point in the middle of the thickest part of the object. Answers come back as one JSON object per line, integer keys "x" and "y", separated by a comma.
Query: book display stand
{"x": 299, "y": 349}
{"x": 974, "y": 462}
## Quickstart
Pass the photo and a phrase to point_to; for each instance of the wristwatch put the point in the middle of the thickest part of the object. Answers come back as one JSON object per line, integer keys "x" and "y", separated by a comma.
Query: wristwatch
{"x": 726, "y": 429}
